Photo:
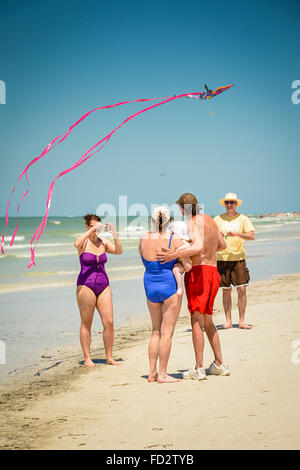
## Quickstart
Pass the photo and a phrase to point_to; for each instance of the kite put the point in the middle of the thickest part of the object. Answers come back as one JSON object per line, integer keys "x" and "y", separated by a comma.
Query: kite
{"x": 208, "y": 94}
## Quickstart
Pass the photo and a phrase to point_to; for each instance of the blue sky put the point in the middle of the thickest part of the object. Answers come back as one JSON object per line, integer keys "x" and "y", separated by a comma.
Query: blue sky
{"x": 60, "y": 59}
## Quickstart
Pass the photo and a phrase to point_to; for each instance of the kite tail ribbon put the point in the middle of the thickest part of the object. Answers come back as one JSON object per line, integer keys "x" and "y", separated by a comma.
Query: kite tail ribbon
{"x": 38, "y": 233}
{"x": 53, "y": 144}
{"x": 24, "y": 172}
{"x": 59, "y": 139}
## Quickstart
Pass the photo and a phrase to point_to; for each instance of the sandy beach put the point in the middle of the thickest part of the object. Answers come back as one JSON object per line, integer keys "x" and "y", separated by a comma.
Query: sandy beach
{"x": 257, "y": 407}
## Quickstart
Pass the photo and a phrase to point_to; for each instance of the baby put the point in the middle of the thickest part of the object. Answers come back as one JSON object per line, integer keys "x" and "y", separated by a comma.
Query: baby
{"x": 183, "y": 264}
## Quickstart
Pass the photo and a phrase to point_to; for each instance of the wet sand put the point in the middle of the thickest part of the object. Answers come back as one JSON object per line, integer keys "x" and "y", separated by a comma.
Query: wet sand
{"x": 63, "y": 405}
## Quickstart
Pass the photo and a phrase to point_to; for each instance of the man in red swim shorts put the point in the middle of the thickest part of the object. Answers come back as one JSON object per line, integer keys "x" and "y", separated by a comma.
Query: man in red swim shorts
{"x": 202, "y": 283}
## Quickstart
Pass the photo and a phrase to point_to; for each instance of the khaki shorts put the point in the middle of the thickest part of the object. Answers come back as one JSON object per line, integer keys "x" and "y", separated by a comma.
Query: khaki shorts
{"x": 233, "y": 273}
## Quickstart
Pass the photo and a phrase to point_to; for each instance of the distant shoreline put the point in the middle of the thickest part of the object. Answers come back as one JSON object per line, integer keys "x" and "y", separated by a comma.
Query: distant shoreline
{"x": 292, "y": 214}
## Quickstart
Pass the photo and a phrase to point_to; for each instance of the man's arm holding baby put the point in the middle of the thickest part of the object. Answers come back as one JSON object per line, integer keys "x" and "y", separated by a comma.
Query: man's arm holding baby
{"x": 185, "y": 251}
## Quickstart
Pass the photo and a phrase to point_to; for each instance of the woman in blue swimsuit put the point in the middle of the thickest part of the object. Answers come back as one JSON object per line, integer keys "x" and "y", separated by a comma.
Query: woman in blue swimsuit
{"x": 93, "y": 290}
{"x": 161, "y": 291}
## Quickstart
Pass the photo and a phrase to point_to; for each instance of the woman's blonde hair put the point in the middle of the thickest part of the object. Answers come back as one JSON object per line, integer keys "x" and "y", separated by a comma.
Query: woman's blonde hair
{"x": 160, "y": 218}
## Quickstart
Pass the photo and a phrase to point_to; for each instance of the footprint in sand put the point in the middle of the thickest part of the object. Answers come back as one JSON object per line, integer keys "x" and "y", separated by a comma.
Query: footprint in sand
{"x": 120, "y": 385}
{"x": 58, "y": 420}
{"x": 165, "y": 446}
{"x": 71, "y": 435}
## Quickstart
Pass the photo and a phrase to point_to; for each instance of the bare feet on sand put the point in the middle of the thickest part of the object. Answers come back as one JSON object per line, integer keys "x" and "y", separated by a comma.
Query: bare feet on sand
{"x": 89, "y": 363}
{"x": 226, "y": 326}
{"x": 153, "y": 377}
{"x": 245, "y": 326}
{"x": 161, "y": 379}
{"x": 112, "y": 362}
{"x": 242, "y": 326}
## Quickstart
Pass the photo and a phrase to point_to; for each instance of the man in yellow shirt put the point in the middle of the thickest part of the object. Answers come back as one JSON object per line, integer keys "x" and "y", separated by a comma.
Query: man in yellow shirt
{"x": 231, "y": 262}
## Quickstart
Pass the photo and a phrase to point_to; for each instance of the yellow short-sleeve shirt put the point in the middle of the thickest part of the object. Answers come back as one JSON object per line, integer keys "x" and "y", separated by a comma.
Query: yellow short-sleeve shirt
{"x": 235, "y": 245}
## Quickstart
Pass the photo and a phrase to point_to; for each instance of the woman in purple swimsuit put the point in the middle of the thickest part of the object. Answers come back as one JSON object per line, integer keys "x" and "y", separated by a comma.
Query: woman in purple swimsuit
{"x": 93, "y": 290}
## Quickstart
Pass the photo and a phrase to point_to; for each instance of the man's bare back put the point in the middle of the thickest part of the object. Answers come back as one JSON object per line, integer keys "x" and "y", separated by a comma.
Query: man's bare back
{"x": 204, "y": 229}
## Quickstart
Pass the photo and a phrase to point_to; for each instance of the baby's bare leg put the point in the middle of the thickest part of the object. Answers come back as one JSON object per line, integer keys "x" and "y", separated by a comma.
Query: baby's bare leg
{"x": 178, "y": 271}
{"x": 187, "y": 264}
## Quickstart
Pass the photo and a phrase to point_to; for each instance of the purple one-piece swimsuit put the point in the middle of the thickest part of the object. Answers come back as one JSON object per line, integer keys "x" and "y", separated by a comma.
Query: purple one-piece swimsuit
{"x": 93, "y": 274}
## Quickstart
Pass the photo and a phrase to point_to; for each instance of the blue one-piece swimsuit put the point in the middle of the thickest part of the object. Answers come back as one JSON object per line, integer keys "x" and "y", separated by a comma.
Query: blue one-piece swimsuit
{"x": 159, "y": 281}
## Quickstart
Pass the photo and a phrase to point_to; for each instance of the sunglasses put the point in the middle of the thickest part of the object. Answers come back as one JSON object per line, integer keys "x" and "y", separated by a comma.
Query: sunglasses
{"x": 230, "y": 202}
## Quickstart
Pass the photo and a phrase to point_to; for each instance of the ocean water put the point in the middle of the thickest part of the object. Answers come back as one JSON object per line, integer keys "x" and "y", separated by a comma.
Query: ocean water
{"x": 38, "y": 305}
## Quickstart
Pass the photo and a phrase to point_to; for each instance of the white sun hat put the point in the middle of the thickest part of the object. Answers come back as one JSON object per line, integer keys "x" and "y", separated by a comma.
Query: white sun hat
{"x": 180, "y": 228}
{"x": 230, "y": 197}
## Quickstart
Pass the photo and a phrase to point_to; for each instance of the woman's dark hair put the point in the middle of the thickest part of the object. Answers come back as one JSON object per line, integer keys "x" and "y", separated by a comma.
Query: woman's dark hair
{"x": 89, "y": 217}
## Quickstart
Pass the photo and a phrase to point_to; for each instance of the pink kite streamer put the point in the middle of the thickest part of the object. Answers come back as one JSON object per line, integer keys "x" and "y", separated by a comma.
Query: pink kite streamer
{"x": 94, "y": 149}
{"x": 50, "y": 147}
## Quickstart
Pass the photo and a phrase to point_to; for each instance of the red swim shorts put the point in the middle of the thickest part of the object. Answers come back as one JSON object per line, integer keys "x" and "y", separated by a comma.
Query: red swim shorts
{"x": 201, "y": 285}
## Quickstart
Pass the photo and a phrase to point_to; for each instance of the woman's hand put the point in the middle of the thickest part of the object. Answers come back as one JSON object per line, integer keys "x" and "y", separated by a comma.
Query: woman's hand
{"x": 98, "y": 227}
{"x": 115, "y": 249}
{"x": 111, "y": 229}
